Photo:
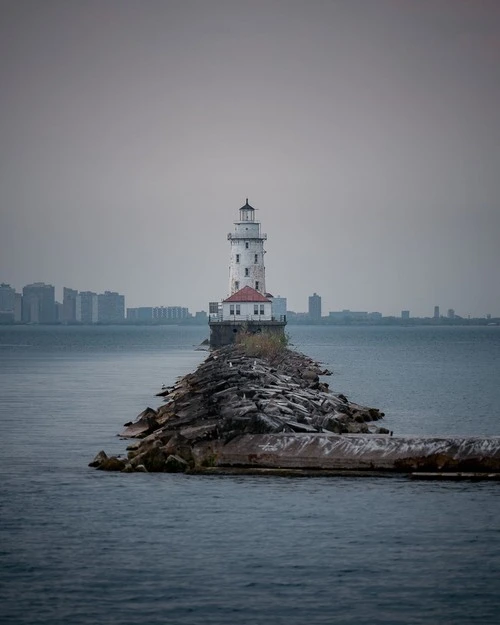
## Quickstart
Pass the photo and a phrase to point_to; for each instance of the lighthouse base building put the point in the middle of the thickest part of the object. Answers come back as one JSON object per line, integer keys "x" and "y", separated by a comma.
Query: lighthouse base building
{"x": 248, "y": 308}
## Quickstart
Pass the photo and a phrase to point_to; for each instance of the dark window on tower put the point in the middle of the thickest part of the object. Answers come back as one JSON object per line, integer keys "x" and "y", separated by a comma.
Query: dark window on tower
{"x": 247, "y": 271}
{"x": 237, "y": 285}
{"x": 256, "y": 258}
{"x": 256, "y": 285}
{"x": 237, "y": 258}
{"x": 246, "y": 244}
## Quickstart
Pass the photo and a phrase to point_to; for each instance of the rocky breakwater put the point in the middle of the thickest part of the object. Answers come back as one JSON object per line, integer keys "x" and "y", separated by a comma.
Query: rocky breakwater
{"x": 242, "y": 413}
{"x": 231, "y": 395}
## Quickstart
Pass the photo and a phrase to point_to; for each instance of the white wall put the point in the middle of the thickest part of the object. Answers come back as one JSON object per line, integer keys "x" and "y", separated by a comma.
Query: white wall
{"x": 246, "y": 311}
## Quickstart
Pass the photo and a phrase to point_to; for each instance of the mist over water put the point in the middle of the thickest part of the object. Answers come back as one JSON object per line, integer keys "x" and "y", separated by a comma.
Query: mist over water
{"x": 82, "y": 546}
{"x": 365, "y": 132}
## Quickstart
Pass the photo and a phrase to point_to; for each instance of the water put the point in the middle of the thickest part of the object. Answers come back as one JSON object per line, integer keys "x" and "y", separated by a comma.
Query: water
{"x": 428, "y": 380}
{"x": 81, "y": 546}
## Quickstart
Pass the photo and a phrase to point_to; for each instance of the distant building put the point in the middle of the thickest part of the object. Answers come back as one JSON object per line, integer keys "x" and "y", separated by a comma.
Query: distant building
{"x": 314, "y": 307}
{"x": 142, "y": 314}
{"x": 298, "y": 317}
{"x": 405, "y": 314}
{"x": 110, "y": 307}
{"x": 68, "y": 314}
{"x": 86, "y": 307}
{"x": 18, "y": 307}
{"x": 436, "y": 312}
{"x": 279, "y": 306}
{"x": 201, "y": 316}
{"x": 7, "y": 303}
{"x": 59, "y": 312}
{"x": 351, "y": 315}
{"x": 161, "y": 314}
{"x": 170, "y": 313}
{"x": 451, "y": 313}
{"x": 39, "y": 304}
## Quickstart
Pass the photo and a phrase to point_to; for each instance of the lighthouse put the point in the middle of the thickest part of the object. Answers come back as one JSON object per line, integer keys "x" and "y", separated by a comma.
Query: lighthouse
{"x": 248, "y": 308}
{"x": 246, "y": 261}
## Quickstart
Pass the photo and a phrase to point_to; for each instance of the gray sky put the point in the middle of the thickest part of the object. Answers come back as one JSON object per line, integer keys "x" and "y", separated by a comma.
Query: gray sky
{"x": 366, "y": 132}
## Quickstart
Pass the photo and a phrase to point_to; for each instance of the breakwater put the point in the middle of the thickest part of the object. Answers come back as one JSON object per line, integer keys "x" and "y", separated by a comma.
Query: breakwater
{"x": 237, "y": 412}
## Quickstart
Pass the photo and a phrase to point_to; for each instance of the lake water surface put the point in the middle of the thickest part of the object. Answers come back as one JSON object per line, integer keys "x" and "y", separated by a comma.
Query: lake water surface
{"x": 81, "y": 546}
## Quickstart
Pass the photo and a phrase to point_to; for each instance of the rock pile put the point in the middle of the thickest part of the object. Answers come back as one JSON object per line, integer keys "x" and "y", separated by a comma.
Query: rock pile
{"x": 230, "y": 395}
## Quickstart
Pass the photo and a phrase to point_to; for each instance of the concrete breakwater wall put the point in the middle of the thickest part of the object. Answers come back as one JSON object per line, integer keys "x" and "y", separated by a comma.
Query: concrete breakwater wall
{"x": 246, "y": 413}
{"x": 354, "y": 452}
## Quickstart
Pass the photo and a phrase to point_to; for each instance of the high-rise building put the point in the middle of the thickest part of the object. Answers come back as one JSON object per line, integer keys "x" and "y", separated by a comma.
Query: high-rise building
{"x": 110, "y": 307}
{"x": 39, "y": 304}
{"x": 69, "y": 305}
{"x": 314, "y": 307}
{"x": 7, "y": 303}
{"x": 405, "y": 314}
{"x": 59, "y": 312}
{"x": 18, "y": 307}
{"x": 7, "y": 298}
{"x": 170, "y": 313}
{"x": 279, "y": 307}
{"x": 86, "y": 307}
{"x": 436, "y": 312}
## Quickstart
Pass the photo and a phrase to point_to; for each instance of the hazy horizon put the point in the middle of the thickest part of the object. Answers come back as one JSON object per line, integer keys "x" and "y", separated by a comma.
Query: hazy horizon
{"x": 365, "y": 132}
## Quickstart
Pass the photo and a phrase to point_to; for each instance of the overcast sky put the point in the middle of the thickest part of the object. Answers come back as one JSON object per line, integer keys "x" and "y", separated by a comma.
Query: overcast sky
{"x": 365, "y": 132}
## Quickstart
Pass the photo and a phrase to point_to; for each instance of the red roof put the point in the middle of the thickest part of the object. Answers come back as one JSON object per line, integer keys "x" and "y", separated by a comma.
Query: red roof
{"x": 247, "y": 294}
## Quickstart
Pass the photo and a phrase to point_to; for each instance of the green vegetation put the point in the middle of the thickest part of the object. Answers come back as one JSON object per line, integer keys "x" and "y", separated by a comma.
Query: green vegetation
{"x": 210, "y": 460}
{"x": 267, "y": 345}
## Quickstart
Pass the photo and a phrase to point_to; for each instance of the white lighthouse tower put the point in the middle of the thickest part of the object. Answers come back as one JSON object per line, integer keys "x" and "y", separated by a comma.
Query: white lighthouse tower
{"x": 246, "y": 264}
{"x": 248, "y": 308}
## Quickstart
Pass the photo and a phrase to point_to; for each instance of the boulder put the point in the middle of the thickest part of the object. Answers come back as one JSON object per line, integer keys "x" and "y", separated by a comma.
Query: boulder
{"x": 99, "y": 458}
{"x": 144, "y": 424}
{"x": 176, "y": 464}
{"x": 112, "y": 464}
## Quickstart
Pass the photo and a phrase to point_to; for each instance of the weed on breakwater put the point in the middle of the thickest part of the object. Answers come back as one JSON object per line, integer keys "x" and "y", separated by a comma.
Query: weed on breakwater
{"x": 269, "y": 346}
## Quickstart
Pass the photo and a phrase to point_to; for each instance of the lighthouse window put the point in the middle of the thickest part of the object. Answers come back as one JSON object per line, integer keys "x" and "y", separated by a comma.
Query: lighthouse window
{"x": 231, "y": 309}
{"x": 256, "y": 258}
{"x": 262, "y": 309}
{"x": 238, "y": 309}
{"x": 247, "y": 272}
{"x": 246, "y": 244}
{"x": 255, "y": 309}
{"x": 237, "y": 258}
{"x": 237, "y": 285}
{"x": 256, "y": 285}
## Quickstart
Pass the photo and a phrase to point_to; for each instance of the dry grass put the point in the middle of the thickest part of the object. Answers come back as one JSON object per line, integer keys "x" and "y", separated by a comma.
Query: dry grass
{"x": 265, "y": 345}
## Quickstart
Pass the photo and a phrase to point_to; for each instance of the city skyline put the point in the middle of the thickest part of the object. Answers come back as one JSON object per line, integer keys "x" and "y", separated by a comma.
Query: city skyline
{"x": 366, "y": 135}
{"x": 314, "y": 309}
